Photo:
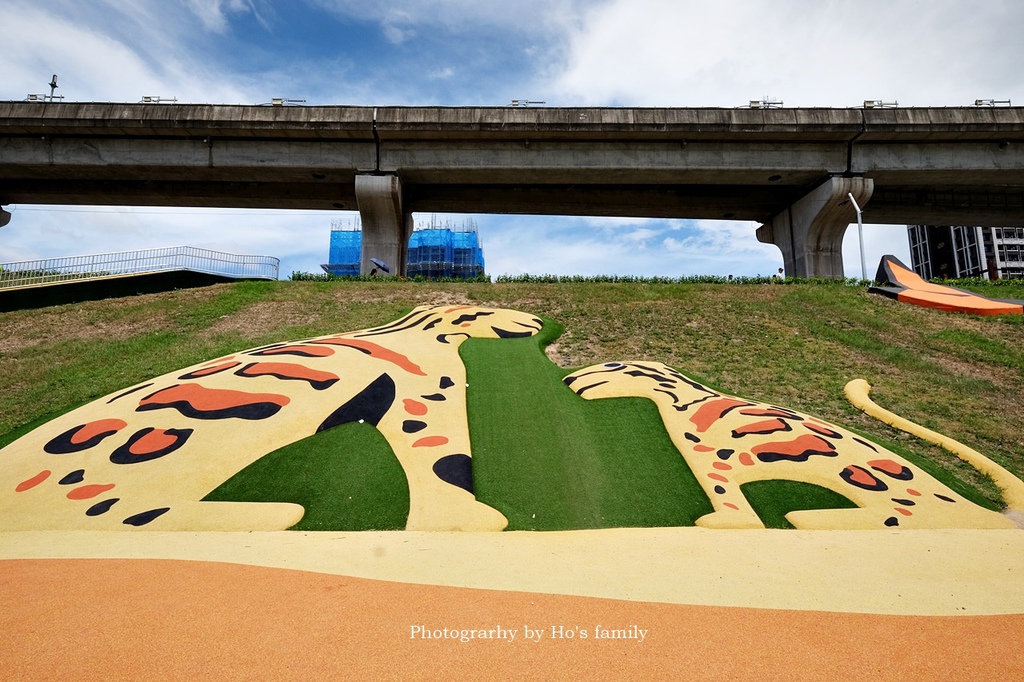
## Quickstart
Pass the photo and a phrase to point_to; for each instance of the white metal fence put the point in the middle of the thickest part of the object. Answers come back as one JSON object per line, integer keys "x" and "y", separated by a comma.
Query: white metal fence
{"x": 31, "y": 273}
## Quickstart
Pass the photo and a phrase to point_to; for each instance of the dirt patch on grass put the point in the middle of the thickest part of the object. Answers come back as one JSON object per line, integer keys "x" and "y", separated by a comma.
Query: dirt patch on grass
{"x": 264, "y": 315}
{"x": 110, "y": 320}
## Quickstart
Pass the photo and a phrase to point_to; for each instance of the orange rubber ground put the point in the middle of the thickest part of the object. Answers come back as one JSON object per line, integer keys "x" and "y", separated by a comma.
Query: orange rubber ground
{"x": 100, "y": 619}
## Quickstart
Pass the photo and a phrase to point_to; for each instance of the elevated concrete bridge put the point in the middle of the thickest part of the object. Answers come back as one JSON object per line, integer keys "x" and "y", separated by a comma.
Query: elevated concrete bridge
{"x": 789, "y": 169}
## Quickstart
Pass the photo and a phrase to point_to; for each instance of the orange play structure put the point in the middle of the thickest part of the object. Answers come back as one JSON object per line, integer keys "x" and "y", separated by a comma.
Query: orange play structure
{"x": 905, "y": 285}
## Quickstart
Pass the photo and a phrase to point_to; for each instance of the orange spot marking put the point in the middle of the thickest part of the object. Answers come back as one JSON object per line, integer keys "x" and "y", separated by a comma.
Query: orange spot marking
{"x": 765, "y": 426}
{"x": 746, "y": 460}
{"x": 718, "y": 477}
{"x": 711, "y": 412}
{"x": 32, "y": 482}
{"x": 703, "y": 448}
{"x": 820, "y": 428}
{"x": 457, "y": 308}
{"x": 288, "y": 370}
{"x": 414, "y": 407}
{"x": 858, "y": 475}
{"x": 464, "y": 324}
{"x": 905, "y": 512}
{"x": 377, "y": 351}
{"x": 887, "y": 465}
{"x": 211, "y": 399}
{"x": 206, "y": 371}
{"x": 316, "y": 351}
{"x": 155, "y": 440}
{"x": 87, "y": 492}
{"x": 430, "y": 442}
{"x": 730, "y": 505}
{"x": 911, "y": 491}
{"x": 722, "y": 466}
{"x": 93, "y": 429}
{"x": 796, "y": 447}
{"x": 761, "y": 412}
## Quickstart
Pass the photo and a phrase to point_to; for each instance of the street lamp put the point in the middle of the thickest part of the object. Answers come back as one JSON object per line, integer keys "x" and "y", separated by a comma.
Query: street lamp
{"x": 860, "y": 234}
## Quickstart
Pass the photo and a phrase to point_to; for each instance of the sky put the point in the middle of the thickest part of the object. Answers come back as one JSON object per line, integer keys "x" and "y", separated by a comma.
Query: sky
{"x": 721, "y": 53}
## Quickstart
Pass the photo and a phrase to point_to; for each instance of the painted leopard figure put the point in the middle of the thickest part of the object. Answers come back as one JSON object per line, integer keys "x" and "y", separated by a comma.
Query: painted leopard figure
{"x": 728, "y": 441}
{"x": 145, "y": 457}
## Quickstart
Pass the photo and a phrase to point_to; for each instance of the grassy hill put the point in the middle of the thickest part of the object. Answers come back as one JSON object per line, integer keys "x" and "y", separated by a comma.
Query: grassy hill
{"x": 794, "y": 345}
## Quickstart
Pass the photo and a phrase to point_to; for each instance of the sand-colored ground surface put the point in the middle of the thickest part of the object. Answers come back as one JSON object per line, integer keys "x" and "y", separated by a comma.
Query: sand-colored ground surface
{"x": 174, "y": 620}
{"x": 925, "y": 572}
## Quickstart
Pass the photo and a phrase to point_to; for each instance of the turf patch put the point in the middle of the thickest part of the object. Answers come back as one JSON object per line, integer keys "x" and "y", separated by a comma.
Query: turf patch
{"x": 550, "y": 460}
{"x": 347, "y": 478}
{"x": 773, "y": 499}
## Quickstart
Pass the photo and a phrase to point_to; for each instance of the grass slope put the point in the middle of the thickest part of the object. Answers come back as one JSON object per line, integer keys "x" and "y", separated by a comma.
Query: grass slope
{"x": 794, "y": 345}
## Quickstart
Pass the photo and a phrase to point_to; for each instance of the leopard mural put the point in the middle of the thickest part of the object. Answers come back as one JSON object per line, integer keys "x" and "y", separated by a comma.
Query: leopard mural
{"x": 145, "y": 457}
{"x": 728, "y": 441}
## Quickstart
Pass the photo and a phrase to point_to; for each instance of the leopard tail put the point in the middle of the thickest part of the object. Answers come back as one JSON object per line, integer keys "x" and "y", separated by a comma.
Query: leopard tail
{"x": 1011, "y": 487}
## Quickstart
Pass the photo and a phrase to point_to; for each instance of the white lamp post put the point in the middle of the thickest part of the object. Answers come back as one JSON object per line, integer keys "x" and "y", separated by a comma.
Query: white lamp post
{"x": 860, "y": 235}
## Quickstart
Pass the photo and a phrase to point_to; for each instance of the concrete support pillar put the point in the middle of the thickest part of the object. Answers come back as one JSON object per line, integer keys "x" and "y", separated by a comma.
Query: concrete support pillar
{"x": 810, "y": 232}
{"x": 386, "y": 227}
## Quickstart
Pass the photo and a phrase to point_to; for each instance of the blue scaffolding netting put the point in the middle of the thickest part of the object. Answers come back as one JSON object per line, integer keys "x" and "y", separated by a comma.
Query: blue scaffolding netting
{"x": 433, "y": 252}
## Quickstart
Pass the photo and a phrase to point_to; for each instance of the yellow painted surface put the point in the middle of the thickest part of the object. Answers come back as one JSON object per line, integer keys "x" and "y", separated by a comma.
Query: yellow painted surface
{"x": 419, "y": 354}
{"x": 857, "y": 392}
{"x": 729, "y": 441}
{"x": 925, "y": 572}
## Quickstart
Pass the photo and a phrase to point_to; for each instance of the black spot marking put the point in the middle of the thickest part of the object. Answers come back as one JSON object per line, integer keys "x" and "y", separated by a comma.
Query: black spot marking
{"x": 145, "y": 517}
{"x": 432, "y": 324}
{"x": 865, "y": 443}
{"x": 129, "y": 392}
{"x": 892, "y": 522}
{"x": 456, "y": 470}
{"x": 945, "y": 499}
{"x": 720, "y": 490}
{"x": 436, "y": 397}
{"x": 725, "y": 454}
{"x": 693, "y": 438}
{"x": 124, "y": 454}
{"x": 413, "y": 426}
{"x": 905, "y": 503}
{"x": 101, "y": 507}
{"x": 76, "y": 476}
{"x": 443, "y": 338}
{"x": 665, "y": 384}
{"x": 393, "y": 327}
{"x": 370, "y": 405}
{"x": 471, "y": 317}
{"x": 862, "y": 478}
{"x": 587, "y": 388}
{"x": 506, "y": 334}
{"x": 446, "y": 382}
{"x": 568, "y": 380}
{"x": 62, "y": 444}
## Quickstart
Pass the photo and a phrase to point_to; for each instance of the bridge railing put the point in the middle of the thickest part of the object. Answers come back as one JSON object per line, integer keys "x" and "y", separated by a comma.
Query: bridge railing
{"x": 46, "y": 271}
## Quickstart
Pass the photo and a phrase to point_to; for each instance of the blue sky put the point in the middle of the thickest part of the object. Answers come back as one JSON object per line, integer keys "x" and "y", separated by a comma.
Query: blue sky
{"x": 489, "y": 52}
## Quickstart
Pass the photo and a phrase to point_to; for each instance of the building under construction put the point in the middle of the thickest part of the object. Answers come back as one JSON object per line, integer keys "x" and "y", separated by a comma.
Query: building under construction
{"x": 439, "y": 250}
{"x": 955, "y": 251}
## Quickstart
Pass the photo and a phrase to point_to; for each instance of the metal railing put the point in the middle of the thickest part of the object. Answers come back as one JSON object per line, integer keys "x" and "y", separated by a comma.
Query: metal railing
{"x": 31, "y": 273}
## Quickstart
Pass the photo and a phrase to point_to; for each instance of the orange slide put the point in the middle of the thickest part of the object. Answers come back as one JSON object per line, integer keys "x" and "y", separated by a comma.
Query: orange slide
{"x": 906, "y": 286}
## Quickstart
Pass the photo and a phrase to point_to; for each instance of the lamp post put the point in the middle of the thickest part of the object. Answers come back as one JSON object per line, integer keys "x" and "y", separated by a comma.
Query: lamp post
{"x": 860, "y": 235}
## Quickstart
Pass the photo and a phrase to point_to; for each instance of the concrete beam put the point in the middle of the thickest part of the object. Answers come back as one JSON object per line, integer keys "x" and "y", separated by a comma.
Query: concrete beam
{"x": 810, "y": 232}
{"x": 386, "y": 226}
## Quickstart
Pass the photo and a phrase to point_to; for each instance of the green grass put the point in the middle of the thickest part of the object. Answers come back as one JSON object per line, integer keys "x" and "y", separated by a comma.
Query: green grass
{"x": 543, "y": 456}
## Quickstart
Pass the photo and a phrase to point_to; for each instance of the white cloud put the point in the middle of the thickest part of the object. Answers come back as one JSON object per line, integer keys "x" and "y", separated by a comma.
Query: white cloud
{"x": 691, "y": 53}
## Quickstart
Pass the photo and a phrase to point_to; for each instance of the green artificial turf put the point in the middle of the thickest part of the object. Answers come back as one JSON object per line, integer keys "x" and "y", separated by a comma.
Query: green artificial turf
{"x": 773, "y": 499}
{"x": 550, "y": 460}
{"x": 347, "y": 478}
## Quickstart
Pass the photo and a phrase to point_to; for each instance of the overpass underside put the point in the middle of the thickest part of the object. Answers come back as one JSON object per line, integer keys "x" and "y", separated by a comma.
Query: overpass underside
{"x": 792, "y": 170}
